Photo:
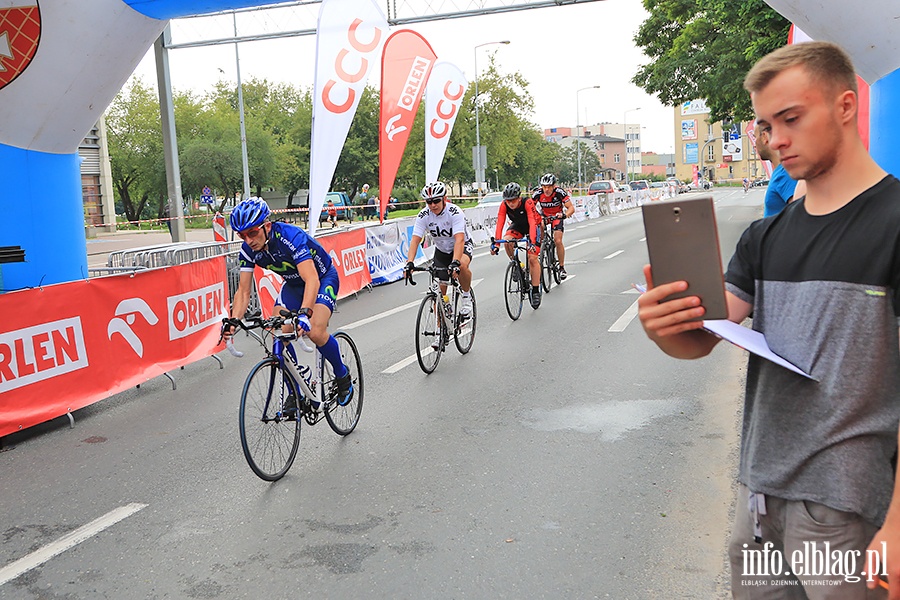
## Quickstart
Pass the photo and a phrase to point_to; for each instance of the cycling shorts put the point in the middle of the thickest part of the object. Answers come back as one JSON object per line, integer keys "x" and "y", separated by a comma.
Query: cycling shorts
{"x": 442, "y": 260}
{"x": 291, "y": 296}
{"x": 514, "y": 234}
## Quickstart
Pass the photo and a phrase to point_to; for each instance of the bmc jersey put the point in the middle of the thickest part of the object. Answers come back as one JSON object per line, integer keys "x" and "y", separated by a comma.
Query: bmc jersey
{"x": 550, "y": 205}
{"x": 442, "y": 227}
{"x": 524, "y": 219}
{"x": 288, "y": 247}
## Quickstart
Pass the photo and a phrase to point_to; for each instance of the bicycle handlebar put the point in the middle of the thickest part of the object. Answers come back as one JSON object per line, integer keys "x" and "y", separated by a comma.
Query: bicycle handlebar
{"x": 273, "y": 322}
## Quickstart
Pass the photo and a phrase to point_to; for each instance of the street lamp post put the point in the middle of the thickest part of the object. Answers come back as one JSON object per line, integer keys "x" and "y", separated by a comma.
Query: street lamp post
{"x": 625, "y": 124}
{"x": 478, "y": 165}
{"x": 578, "y": 129}
{"x": 496, "y": 180}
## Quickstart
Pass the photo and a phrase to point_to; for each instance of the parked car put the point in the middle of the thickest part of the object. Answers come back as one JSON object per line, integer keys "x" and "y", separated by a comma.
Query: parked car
{"x": 624, "y": 187}
{"x": 341, "y": 202}
{"x": 491, "y": 198}
{"x": 702, "y": 184}
{"x": 640, "y": 184}
{"x": 602, "y": 187}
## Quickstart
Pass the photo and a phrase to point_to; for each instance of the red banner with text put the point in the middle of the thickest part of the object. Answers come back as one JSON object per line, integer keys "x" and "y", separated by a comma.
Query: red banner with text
{"x": 105, "y": 335}
{"x": 406, "y": 63}
{"x": 348, "y": 254}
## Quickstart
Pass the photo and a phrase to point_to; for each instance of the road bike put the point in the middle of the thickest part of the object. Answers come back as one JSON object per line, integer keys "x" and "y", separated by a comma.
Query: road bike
{"x": 548, "y": 260}
{"x": 271, "y": 416}
{"x": 438, "y": 319}
{"x": 517, "y": 280}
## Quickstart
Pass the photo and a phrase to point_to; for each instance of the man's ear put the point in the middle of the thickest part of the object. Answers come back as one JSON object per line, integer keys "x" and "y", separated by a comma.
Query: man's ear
{"x": 847, "y": 106}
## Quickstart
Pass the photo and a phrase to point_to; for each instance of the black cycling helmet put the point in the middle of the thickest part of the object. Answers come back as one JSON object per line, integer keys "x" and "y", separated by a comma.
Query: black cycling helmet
{"x": 512, "y": 190}
{"x": 432, "y": 191}
{"x": 548, "y": 179}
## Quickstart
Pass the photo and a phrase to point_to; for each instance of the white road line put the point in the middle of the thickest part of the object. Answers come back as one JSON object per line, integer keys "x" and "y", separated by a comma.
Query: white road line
{"x": 580, "y": 242}
{"x": 643, "y": 239}
{"x": 392, "y": 311}
{"x": 42, "y": 555}
{"x": 399, "y": 365}
{"x": 381, "y": 315}
{"x": 626, "y": 318}
{"x": 613, "y": 255}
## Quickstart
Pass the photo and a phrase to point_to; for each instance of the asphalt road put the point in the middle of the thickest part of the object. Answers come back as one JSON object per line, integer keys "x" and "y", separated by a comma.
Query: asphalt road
{"x": 558, "y": 459}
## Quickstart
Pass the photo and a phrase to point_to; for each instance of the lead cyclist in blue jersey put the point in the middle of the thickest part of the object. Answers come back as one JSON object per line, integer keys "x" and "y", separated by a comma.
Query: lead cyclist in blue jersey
{"x": 310, "y": 280}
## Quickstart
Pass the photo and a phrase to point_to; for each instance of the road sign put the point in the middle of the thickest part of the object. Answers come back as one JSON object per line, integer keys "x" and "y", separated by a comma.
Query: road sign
{"x": 206, "y": 197}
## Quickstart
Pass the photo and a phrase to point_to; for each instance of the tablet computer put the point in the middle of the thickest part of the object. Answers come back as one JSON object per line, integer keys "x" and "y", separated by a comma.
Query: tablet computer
{"x": 683, "y": 244}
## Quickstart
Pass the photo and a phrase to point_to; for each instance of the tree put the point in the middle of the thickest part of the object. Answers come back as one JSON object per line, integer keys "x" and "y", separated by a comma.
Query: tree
{"x": 704, "y": 48}
{"x": 135, "y": 148}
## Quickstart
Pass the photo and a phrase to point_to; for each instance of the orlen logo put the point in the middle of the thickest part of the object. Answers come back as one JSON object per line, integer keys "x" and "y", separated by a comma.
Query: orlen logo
{"x": 126, "y": 312}
{"x": 36, "y": 353}
{"x": 362, "y": 49}
{"x": 446, "y": 110}
{"x": 414, "y": 82}
{"x": 195, "y": 310}
{"x": 354, "y": 259}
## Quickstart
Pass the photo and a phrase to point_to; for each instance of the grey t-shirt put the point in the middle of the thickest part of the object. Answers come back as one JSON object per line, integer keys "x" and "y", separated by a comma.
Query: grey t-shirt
{"x": 826, "y": 294}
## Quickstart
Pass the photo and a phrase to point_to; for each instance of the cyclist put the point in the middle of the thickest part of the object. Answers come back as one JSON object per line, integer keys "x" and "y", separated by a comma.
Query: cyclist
{"x": 554, "y": 202}
{"x": 746, "y": 184}
{"x": 310, "y": 280}
{"x": 446, "y": 224}
{"x": 524, "y": 220}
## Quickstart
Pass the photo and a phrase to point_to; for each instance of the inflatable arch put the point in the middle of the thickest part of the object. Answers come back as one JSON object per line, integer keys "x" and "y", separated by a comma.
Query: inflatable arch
{"x": 63, "y": 61}
{"x": 61, "y": 64}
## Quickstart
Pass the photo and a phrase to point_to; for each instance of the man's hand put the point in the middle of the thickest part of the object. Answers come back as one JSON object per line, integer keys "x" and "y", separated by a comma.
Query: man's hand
{"x": 453, "y": 267}
{"x": 228, "y": 329}
{"x": 887, "y": 537}
{"x": 660, "y": 319}
{"x": 303, "y": 323}
{"x": 495, "y": 248}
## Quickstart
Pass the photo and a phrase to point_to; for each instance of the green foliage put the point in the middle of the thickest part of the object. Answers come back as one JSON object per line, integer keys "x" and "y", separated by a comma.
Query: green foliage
{"x": 704, "y": 48}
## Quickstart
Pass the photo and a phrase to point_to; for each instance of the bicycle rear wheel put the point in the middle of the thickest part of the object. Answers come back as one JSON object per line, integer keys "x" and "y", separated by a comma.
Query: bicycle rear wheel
{"x": 269, "y": 439}
{"x": 342, "y": 418}
{"x": 464, "y": 327}
{"x": 512, "y": 290}
{"x": 430, "y": 336}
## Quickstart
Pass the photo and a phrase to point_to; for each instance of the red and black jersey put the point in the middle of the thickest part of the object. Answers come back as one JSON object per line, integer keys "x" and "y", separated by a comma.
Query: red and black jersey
{"x": 524, "y": 219}
{"x": 550, "y": 205}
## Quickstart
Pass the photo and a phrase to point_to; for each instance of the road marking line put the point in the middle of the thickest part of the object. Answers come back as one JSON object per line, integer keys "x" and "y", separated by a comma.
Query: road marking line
{"x": 626, "y": 318}
{"x": 399, "y": 365}
{"x": 42, "y": 555}
{"x": 643, "y": 239}
{"x": 392, "y": 311}
{"x": 613, "y": 255}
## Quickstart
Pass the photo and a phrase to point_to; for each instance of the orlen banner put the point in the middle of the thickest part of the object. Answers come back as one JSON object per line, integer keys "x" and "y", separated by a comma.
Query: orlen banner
{"x": 105, "y": 335}
{"x": 348, "y": 254}
{"x": 405, "y": 66}
{"x": 349, "y": 37}
{"x": 443, "y": 95}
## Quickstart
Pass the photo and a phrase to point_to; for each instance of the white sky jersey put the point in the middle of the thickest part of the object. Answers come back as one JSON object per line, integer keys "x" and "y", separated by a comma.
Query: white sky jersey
{"x": 441, "y": 227}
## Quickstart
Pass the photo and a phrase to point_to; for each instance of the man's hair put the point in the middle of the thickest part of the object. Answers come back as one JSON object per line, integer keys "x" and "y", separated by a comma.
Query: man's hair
{"x": 825, "y": 62}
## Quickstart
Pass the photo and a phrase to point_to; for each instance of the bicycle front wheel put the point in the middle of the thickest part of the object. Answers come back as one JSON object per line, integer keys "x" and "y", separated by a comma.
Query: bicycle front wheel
{"x": 547, "y": 265}
{"x": 269, "y": 438}
{"x": 464, "y": 326}
{"x": 512, "y": 290}
{"x": 429, "y": 333}
{"x": 343, "y": 417}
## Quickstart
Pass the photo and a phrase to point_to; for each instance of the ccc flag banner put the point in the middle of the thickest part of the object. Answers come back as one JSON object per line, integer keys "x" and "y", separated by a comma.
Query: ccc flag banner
{"x": 405, "y": 66}
{"x": 349, "y": 38}
{"x": 105, "y": 335}
{"x": 443, "y": 95}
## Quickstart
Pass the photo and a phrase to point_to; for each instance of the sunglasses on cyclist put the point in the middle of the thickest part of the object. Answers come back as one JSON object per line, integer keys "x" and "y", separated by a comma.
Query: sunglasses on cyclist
{"x": 434, "y": 200}
{"x": 248, "y": 233}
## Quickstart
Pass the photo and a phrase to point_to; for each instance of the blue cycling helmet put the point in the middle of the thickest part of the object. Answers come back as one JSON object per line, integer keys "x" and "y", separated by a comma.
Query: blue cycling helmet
{"x": 251, "y": 212}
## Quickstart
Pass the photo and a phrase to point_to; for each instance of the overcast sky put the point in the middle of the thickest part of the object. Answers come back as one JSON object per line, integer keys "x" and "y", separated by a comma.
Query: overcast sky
{"x": 558, "y": 50}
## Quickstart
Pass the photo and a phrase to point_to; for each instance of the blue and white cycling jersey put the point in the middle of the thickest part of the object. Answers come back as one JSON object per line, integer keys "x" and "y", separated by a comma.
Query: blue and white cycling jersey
{"x": 288, "y": 246}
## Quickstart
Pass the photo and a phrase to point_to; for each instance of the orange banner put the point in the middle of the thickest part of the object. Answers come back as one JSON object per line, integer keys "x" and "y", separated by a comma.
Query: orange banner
{"x": 105, "y": 335}
{"x": 348, "y": 254}
{"x": 405, "y": 66}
